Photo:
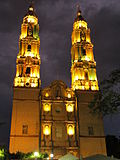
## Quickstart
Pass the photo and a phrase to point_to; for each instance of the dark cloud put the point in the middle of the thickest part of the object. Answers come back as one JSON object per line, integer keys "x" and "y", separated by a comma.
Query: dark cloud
{"x": 106, "y": 38}
{"x": 56, "y": 19}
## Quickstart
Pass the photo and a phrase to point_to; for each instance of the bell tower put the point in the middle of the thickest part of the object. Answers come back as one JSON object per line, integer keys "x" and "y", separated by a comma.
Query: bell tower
{"x": 28, "y": 58}
{"x": 25, "y": 127}
{"x": 83, "y": 67}
{"x": 85, "y": 86}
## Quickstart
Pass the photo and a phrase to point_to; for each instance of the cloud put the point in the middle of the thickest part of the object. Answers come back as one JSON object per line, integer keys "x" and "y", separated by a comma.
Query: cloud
{"x": 56, "y": 19}
{"x": 106, "y": 37}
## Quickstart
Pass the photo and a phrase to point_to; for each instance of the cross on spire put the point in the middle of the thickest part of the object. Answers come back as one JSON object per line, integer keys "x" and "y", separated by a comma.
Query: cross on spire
{"x": 31, "y": 2}
{"x": 31, "y": 5}
{"x": 78, "y": 8}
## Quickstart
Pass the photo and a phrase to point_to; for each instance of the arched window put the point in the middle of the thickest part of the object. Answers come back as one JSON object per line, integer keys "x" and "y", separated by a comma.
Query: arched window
{"x": 83, "y": 51}
{"x": 29, "y": 47}
{"x": 86, "y": 75}
{"x": 70, "y": 129}
{"x": 46, "y": 129}
{"x": 28, "y": 70}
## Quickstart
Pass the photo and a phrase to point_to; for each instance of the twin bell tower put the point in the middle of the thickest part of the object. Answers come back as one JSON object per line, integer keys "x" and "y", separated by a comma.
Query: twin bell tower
{"x": 55, "y": 119}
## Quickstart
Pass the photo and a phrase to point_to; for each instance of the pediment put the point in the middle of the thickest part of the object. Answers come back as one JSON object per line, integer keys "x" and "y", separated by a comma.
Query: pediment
{"x": 57, "y": 90}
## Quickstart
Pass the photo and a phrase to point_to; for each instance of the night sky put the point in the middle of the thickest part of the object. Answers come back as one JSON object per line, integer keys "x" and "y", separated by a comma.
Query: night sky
{"x": 56, "y": 19}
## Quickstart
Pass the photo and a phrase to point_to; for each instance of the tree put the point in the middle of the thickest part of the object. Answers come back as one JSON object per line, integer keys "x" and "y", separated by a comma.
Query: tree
{"x": 113, "y": 146}
{"x": 4, "y": 155}
{"x": 28, "y": 156}
{"x": 107, "y": 101}
{"x": 18, "y": 155}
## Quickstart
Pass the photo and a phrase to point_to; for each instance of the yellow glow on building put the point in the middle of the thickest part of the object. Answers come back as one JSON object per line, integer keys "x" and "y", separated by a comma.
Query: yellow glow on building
{"x": 33, "y": 85}
{"x": 76, "y": 77}
{"x": 29, "y": 54}
{"x": 30, "y": 19}
{"x": 28, "y": 59}
{"x": 88, "y": 39}
{"x": 86, "y": 58}
{"x": 70, "y": 129}
{"x": 69, "y": 95}
{"x": 93, "y": 88}
{"x": 79, "y": 24}
{"x": 83, "y": 68}
{"x": 47, "y": 107}
{"x": 46, "y": 129}
{"x": 23, "y": 36}
{"x": 35, "y": 75}
{"x": 69, "y": 107}
{"x": 76, "y": 60}
{"x": 46, "y": 94}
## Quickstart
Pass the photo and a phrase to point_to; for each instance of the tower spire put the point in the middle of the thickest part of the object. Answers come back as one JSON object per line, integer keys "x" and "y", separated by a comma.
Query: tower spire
{"x": 31, "y": 2}
{"x": 31, "y": 5}
{"x": 79, "y": 16}
{"x": 28, "y": 59}
{"x": 31, "y": 10}
{"x": 83, "y": 68}
{"x": 78, "y": 8}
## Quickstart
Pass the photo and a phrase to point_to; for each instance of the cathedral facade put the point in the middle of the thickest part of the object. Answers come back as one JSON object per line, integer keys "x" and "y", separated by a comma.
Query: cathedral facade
{"x": 55, "y": 119}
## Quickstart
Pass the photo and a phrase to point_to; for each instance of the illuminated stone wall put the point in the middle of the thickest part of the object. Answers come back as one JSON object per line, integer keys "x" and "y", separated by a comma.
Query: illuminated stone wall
{"x": 83, "y": 65}
{"x": 58, "y": 121}
{"x": 67, "y": 124}
{"x": 92, "y": 138}
{"x": 24, "y": 135}
{"x": 59, "y": 133}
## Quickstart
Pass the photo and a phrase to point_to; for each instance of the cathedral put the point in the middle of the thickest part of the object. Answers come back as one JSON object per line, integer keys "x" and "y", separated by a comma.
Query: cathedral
{"x": 55, "y": 119}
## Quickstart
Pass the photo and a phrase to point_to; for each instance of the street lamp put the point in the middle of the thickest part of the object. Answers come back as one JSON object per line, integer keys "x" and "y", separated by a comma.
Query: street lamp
{"x": 36, "y": 155}
{"x": 51, "y": 156}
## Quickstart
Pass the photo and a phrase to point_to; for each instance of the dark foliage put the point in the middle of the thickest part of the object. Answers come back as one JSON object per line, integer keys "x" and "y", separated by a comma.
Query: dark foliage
{"x": 17, "y": 155}
{"x": 6, "y": 153}
{"x": 107, "y": 101}
{"x": 20, "y": 156}
{"x": 113, "y": 146}
{"x": 26, "y": 156}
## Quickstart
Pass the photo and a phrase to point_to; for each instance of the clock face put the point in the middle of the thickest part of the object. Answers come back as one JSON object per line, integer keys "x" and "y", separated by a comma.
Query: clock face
{"x": 82, "y": 36}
